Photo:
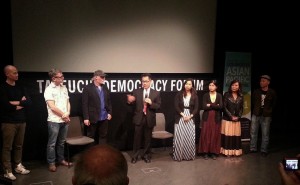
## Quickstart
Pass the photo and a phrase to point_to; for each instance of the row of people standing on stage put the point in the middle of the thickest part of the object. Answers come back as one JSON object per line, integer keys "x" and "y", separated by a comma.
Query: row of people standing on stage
{"x": 215, "y": 137}
{"x": 97, "y": 111}
{"x": 221, "y": 120}
{"x": 15, "y": 100}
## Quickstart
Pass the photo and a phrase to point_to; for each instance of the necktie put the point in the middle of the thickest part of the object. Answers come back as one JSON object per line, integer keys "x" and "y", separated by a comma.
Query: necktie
{"x": 145, "y": 104}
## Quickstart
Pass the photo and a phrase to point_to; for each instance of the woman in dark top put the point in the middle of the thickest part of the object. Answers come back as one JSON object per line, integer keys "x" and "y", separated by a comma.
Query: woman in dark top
{"x": 210, "y": 138}
{"x": 233, "y": 99}
{"x": 186, "y": 106}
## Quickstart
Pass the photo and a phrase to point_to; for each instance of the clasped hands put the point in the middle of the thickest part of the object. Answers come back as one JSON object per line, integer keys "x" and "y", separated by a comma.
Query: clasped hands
{"x": 186, "y": 118}
{"x": 66, "y": 117}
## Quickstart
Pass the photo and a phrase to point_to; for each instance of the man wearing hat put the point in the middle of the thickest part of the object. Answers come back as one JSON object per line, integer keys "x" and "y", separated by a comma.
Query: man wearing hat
{"x": 96, "y": 108}
{"x": 264, "y": 101}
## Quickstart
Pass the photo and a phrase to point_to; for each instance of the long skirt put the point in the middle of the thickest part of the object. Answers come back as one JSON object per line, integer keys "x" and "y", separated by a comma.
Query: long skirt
{"x": 210, "y": 136}
{"x": 231, "y": 143}
{"x": 184, "y": 141}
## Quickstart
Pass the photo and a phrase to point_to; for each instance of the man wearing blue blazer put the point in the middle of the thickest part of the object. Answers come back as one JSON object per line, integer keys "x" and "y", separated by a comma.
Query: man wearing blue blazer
{"x": 96, "y": 108}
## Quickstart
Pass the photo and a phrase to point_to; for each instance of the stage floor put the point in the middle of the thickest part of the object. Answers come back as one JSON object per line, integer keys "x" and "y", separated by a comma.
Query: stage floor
{"x": 249, "y": 169}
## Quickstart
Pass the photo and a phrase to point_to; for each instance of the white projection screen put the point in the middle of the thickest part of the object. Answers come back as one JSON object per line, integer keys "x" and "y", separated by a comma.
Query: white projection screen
{"x": 168, "y": 36}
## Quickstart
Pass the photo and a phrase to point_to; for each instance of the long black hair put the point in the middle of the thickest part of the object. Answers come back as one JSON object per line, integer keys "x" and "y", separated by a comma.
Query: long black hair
{"x": 193, "y": 91}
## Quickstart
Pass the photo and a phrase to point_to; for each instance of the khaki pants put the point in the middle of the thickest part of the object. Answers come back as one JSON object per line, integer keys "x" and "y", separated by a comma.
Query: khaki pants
{"x": 13, "y": 137}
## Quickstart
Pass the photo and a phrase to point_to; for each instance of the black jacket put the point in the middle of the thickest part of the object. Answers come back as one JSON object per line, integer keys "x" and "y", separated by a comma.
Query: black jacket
{"x": 217, "y": 106}
{"x": 179, "y": 106}
{"x": 269, "y": 102}
{"x": 232, "y": 107}
{"x": 91, "y": 102}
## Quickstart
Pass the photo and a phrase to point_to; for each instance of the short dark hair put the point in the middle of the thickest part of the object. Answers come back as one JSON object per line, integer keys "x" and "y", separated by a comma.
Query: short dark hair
{"x": 146, "y": 75}
{"x": 101, "y": 165}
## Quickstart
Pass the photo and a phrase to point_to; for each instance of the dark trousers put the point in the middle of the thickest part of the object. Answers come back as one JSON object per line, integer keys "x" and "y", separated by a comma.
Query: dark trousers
{"x": 142, "y": 132}
{"x": 98, "y": 131}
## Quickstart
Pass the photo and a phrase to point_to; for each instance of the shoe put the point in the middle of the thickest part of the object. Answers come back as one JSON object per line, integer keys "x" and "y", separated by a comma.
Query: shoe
{"x": 205, "y": 156}
{"x": 264, "y": 154}
{"x": 21, "y": 169}
{"x": 52, "y": 168}
{"x": 65, "y": 163}
{"x": 252, "y": 151}
{"x": 10, "y": 176}
{"x": 133, "y": 160}
{"x": 146, "y": 159}
{"x": 213, "y": 156}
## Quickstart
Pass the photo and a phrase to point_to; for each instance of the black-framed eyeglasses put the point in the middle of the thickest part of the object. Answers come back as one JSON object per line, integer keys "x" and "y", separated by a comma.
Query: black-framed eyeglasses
{"x": 59, "y": 76}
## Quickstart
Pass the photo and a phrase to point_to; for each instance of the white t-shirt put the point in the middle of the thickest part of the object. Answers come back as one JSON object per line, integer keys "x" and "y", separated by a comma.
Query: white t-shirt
{"x": 58, "y": 94}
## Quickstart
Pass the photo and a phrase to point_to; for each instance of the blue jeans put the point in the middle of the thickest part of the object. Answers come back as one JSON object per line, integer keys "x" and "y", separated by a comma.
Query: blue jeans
{"x": 264, "y": 122}
{"x": 57, "y": 133}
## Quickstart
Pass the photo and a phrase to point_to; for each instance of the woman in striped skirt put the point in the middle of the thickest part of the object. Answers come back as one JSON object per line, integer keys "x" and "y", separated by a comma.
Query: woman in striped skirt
{"x": 186, "y": 105}
{"x": 231, "y": 144}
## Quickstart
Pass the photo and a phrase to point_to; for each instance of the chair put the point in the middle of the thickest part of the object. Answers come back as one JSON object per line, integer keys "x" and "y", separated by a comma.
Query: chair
{"x": 75, "y": 134}
{"x": 159, "y": 131}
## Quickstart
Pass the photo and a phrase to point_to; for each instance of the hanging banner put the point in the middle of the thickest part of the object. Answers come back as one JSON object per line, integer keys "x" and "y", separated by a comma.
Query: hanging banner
{"x": 238, "y": 66}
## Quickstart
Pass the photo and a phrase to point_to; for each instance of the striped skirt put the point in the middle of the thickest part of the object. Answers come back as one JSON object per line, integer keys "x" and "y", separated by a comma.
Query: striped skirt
{"x": 184, "y": 141}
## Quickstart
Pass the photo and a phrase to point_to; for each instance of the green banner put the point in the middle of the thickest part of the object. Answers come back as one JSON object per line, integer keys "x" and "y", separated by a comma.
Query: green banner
{"x": 238, "y": 66}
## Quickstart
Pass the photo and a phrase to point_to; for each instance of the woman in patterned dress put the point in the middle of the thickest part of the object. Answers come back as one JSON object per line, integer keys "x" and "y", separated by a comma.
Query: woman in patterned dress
{"x": 231, "y": 144}
{"x": 186, "y": 106}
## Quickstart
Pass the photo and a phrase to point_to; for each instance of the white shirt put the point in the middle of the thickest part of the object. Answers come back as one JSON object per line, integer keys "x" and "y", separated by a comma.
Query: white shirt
{"x": 146, "y": 91}
{"x": 58, "y": 94}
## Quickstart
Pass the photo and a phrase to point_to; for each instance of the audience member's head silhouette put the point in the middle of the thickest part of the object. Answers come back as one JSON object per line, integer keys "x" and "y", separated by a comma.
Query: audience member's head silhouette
{"x": 101, "y": 165}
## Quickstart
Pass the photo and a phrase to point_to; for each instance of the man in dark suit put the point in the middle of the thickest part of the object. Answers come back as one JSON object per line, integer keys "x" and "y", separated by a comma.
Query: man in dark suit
{"x": 146, "y": 101}
{"x": 96, "y": 108}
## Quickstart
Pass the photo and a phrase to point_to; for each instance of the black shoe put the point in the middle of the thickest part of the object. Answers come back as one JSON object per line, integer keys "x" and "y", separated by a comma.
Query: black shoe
{"x": 205, "y": 156}
{"x": 146, "y": 159}
{"x": 264, "y": 154}
{"x": 252, "y": 151}
{"x": 213, "y": 156}
{"x": 133, "y": 160}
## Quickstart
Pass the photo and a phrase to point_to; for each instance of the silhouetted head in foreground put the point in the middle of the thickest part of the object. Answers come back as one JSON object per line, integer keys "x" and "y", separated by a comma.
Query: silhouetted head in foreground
{"x": 100, "y": 165}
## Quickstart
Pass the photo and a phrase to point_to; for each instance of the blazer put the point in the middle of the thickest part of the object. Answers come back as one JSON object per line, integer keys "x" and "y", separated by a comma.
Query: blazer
{"x": 217, "y": 106}
{"x": 91, "y": 102}
{"x": 151, "y": 109}
{"x": 232, "y": 107}
{"x": 179, "y": 106}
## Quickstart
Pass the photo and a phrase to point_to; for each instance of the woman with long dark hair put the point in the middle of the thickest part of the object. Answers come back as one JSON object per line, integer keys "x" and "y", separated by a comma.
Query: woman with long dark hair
{"x": 186, "y": 106}
{"x": 233, "y": 101}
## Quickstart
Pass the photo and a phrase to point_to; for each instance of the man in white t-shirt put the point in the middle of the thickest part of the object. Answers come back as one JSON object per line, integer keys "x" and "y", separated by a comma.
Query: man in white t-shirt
{"x": 58, "y": 106}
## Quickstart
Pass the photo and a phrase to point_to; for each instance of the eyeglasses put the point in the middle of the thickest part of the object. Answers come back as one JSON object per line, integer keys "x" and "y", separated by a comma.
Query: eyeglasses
{"x": 59, "y": 76}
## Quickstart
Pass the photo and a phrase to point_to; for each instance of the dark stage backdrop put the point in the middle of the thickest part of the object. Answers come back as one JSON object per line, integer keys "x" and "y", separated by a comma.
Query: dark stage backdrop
{"x": 120, "y": 127}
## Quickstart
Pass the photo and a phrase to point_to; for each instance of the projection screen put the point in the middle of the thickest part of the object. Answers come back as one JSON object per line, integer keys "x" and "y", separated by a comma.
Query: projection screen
{"x": 115, "y": 36}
